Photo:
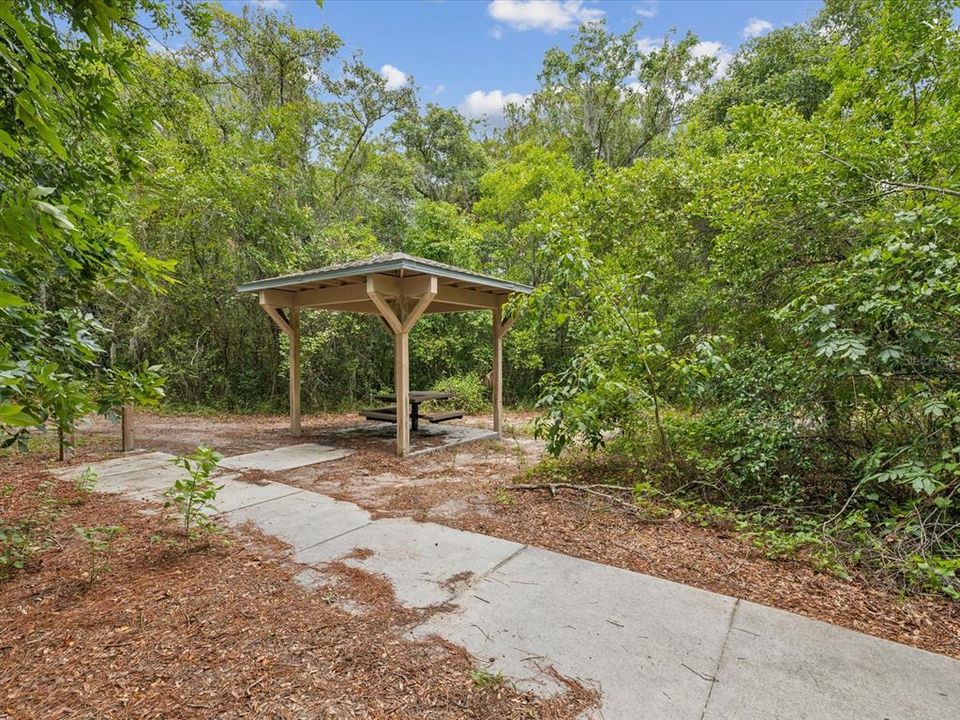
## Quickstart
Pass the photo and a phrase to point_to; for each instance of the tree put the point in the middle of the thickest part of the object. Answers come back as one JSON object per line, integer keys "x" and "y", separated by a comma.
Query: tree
{"x": 68, "y": 146}
{"x": 448, "y": 161}
{"x": 610, "y": 101}
{"x": 781, "y": 68}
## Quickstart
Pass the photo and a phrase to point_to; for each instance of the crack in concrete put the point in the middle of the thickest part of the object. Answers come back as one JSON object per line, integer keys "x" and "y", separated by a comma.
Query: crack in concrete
{"x": 259, "y": 502}
{"x": 326, "y": 540}
{"x": 723, "y": 650}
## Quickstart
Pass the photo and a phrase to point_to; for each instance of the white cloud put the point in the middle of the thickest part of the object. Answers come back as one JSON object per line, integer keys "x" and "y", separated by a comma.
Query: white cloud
{"x": 546, "y": 15}
{"x": 647, "y": 9}
{"x": 757, "y": 27}
{"x": 439, "y": 89}
{"x": 714, "y": 49}
{"x": 271, "y": 4}
{"x": 395, "y": 77}
{"x": 647, "y": 45}
{"x": 491, "y": 104}
{"x": 496, "y": 32}
{"x": 157, "y": 48}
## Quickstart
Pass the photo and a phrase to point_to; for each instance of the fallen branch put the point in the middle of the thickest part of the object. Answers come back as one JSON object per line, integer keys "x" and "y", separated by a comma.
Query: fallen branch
{"x": 590, "y": 489}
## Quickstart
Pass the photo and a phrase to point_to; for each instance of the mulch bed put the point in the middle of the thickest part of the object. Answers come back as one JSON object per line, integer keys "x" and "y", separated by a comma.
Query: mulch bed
{"x": 215, "y": 629}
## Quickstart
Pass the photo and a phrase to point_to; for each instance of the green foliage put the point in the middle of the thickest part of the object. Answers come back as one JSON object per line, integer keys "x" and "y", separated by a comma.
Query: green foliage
{"x": 467, "y": 393}
{"x": 86, "y": 481}
{"x": 15, "y": 548}
{"x": 67, "y": 152}
{"x": 609, "y": 101}
{"x": 448, "y": 164}
{"x": 440, "y": 231}
{"x": 194, "y": 495}
{"x": 143, "y": 387}
{"x": 486, "y": 679}
{"x": 775, "y": 322}
{"x": 99, "y": 540}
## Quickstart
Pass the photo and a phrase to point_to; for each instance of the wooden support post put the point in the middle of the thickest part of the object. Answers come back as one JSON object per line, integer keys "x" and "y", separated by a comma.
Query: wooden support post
{"x": 126, "y": 427}
{"x": 497, "y": 375}
{"x": 401, "y": 387}
{"x": 294, "y": 337}
{"x": 400, "y": 320}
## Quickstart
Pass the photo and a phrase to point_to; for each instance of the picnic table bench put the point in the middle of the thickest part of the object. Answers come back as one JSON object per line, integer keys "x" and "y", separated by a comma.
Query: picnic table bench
{"x": 389, "y": 413}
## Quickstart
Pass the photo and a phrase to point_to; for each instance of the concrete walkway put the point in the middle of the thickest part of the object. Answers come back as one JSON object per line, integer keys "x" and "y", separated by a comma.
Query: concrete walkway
{"x": 655, "y": 649}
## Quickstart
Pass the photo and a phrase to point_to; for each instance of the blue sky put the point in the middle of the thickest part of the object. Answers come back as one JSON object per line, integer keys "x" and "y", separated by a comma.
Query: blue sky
{"x": 475, "y": 54}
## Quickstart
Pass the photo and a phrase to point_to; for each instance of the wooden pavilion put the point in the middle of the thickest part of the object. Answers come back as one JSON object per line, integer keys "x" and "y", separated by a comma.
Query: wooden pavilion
{"x": 398, "y": 288}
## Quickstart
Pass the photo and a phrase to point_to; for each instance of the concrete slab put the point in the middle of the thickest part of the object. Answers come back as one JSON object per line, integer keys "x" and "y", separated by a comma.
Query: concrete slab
{"x": 429, "y": 438}
{"x": 142, "y": 481}
{"x": 285, "y": 458}
{"x": 302, "y": 519}
{"x": 780, "y": 666}
{"x": 121, "y": 465}
{"x": 237, "y": 494}
{"x": 649, "y": 644}
{"x": 427, "y": 563}
{"x": 459, "y": 436}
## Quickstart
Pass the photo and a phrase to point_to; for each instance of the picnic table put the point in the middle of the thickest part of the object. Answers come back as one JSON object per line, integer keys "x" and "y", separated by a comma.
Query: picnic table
{"x": 389, "y": 414}
{"x": 416, "y": 398}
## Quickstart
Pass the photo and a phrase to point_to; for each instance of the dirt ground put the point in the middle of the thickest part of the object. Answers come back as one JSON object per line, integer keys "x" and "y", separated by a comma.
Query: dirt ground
{"x": 468, "y": 487}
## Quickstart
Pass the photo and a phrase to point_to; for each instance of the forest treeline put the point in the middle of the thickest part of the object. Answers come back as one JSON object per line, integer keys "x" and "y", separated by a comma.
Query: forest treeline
{"x": 747, "y": 284}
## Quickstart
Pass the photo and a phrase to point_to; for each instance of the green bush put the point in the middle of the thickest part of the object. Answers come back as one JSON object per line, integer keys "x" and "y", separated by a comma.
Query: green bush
{"x": 467, "y": 393}
{"x": 195, "y": 495}
{"x": 99, "y": 540}
{"x": 15, "y": 549}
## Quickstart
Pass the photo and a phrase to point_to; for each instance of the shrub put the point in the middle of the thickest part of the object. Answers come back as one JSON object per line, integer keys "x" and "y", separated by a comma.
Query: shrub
{"x": 195, "y": 494}
{"x": 99, "y": 541}
{"x": 14, "y": 549}
{"x": 86, "y": 481}
{"x": 467, "y": 393}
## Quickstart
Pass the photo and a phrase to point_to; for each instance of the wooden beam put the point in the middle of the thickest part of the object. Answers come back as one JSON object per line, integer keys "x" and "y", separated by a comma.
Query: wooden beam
{"x": 419, "y": 285}
{"x": 277, "y": 298}
{"x": 505, "y": 325}
{"x": 323, "y": 297}
{"x": 497, "y": 374}
{"x": 467, "y": 298}
{"x": 390, "y": 286}
{"x": 385, "y": 285}
{"x": 417, "y": 310}
{"x": 386, "y": 312}
{"x": 295, "y": 372}
{"x": 279, "y": 318}
{"x": 316, "y": 297}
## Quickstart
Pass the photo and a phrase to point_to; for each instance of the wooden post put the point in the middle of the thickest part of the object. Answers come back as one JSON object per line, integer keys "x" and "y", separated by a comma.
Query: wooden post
{"x": 126, "y": 427}
{"x": 497, "y": 375}
{"x": 500, "y": 328}
{"x": 401, "y": 387}
{"x": 295, "y": 372}
{"x": 399, "y": 320}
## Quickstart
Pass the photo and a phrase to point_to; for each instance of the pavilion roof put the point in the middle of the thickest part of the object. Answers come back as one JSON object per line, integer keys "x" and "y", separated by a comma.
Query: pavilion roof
{"x": 394, "y": 264}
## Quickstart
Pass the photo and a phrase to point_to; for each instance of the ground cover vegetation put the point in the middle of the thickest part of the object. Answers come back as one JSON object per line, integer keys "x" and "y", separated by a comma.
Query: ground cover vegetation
{"x": 746, "y": 284}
